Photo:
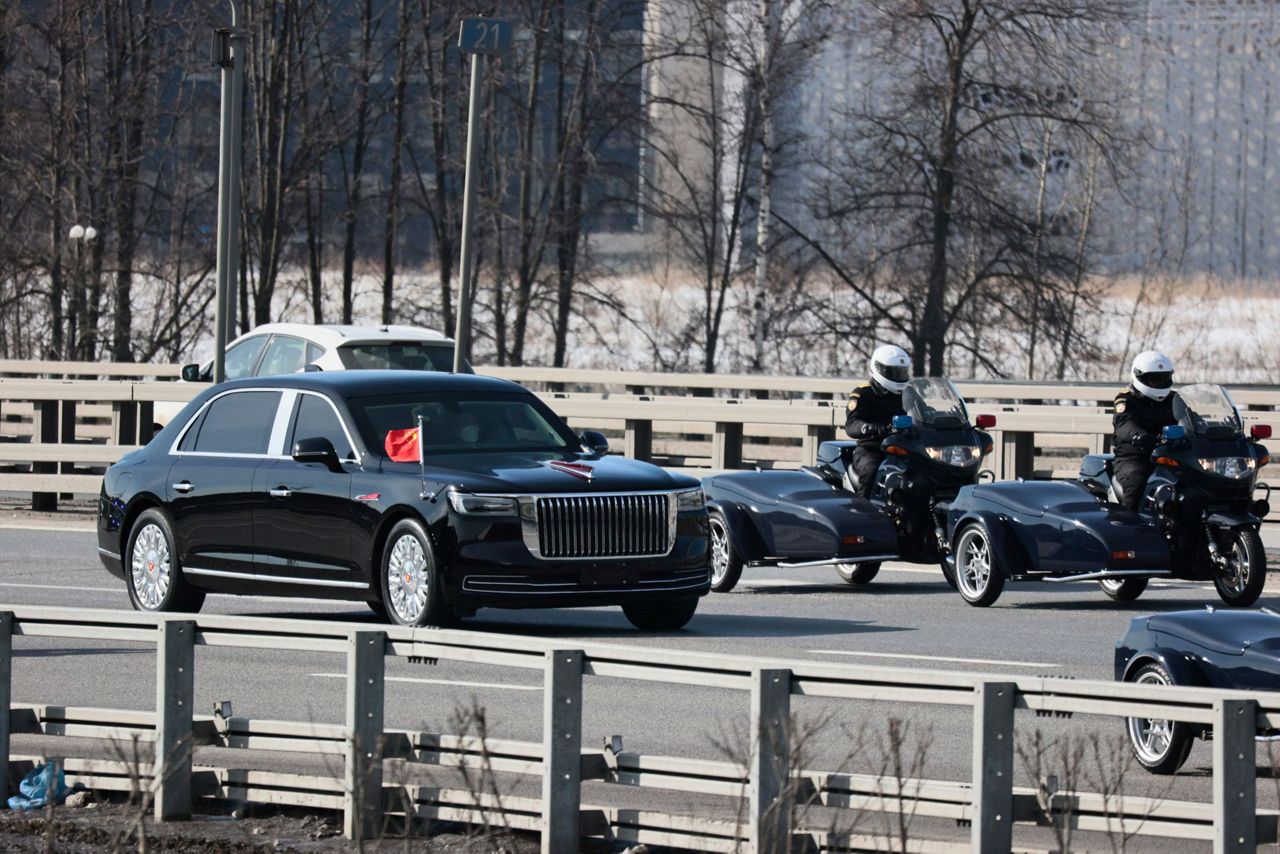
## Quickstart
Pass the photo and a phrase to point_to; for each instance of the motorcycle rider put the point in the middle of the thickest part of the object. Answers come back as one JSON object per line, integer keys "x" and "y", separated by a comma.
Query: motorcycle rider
{"x": 1142, "y": 411}
{"x": 872, "y": 407}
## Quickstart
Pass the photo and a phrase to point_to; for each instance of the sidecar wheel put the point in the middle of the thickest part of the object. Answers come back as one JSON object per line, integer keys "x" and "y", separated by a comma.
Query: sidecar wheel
{"x": 858, "y": 573}
{"x": 977, "y": 577}
{"x": 1240, "y": 584}
{"x": 726, "y": 564}
{"x": 1123, "y": 589}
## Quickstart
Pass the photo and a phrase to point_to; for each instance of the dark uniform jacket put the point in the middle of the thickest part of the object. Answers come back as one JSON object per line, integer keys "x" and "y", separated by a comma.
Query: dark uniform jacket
{"x": 1138, "y": 422}
{"x": 871, "y": 408}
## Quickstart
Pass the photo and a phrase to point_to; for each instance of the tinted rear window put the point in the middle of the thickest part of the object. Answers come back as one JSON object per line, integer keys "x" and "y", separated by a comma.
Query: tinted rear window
{"x": 397, "y": 356}
{"x": 316, "y": 419}
{"x": 238, "y": 423}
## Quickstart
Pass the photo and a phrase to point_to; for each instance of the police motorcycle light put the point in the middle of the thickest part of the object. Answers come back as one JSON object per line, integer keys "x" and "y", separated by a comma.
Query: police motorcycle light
{"x": 1260, "y": 431}
{"x": 1260, "y": 508}
{"x": 955, "y": 455}
{"x": 1235, "y": 468}
{"x": 985, "y": 422}
{"x": 482, "y": 505}
{"x": 1173, "y": 432}
{"x": 903, "y": 422}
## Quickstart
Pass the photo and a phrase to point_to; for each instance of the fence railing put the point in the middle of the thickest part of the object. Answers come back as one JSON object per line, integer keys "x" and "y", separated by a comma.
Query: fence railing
{"x": 1033, "y": 438}
{"x": 767, "y": 781}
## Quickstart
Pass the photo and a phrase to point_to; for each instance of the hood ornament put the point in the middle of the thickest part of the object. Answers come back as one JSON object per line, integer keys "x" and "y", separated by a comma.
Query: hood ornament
{"x": 582, "y": 471}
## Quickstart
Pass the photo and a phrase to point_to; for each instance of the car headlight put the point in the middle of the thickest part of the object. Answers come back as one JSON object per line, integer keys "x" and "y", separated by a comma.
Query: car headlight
{"x": 693, "y": 499}
{"x": 1232, "y": 467}
{"x": 955, "y": 455}
{"x": 482, "y": 505}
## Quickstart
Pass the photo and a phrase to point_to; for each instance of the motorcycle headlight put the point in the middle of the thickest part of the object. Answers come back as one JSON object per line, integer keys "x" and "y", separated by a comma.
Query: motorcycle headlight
{"x": 955, "y": 455}
{"x": 482, "y": 505}
{"x": 692, "y": 499}
{"x": 1235, "y": 468}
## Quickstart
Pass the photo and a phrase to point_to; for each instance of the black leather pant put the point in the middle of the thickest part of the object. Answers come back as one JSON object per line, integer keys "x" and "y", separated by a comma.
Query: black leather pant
{"x": 1132, "y": 475}
{"x": 866, "y": 462}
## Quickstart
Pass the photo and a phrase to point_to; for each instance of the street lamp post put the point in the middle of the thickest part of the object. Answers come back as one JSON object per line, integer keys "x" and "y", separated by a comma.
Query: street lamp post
{"x": 81, "y": 236}
{"x": 228, "y": 55}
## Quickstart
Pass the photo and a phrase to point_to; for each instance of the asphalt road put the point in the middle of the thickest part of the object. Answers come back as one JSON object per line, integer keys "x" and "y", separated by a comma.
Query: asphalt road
{"x": 907, "y": 617}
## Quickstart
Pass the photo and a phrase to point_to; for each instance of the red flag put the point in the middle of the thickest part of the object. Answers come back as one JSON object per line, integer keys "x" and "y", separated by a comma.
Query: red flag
{"x": 404, "y": 446}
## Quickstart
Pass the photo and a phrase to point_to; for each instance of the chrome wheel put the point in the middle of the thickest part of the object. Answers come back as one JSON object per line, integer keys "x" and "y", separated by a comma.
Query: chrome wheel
{"x": 408, "y": 578}
{"x": 1235, "y": 570}
{"x": 1151, "y": 737}
{"x": 719, "y": 552}
{"x": 151, "y": 567}
{"x": 973, "y": 564}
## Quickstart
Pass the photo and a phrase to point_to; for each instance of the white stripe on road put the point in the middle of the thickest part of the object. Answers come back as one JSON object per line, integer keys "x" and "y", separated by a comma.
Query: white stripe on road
{"x": 452, "y": 682}
{"x": 933, "y": 658}
{"x": 48, "y": 525}
{"x": 63, "y": 587}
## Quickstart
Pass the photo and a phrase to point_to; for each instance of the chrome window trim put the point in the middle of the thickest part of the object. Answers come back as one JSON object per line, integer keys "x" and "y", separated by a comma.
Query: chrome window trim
{"x": 195, "y": 416}
{"x": 280, "y": 428}
{"x": 528, "y": 513}
{"x": 249, "y": 576}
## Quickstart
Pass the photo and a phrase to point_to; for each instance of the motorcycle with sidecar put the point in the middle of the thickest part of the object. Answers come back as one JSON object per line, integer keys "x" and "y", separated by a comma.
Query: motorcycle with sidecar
{"x": 1198, "y": 517}
{"x": 816, "y": 517}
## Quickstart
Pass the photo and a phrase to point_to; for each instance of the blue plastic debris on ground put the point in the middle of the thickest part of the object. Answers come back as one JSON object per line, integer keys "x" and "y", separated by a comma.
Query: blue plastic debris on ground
{"x": 45, "y": 783}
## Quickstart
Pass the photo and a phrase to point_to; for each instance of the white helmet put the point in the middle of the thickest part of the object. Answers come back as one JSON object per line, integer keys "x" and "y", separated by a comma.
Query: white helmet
{"x": 890, "y": 368}
{"x": 1153, "y": 374}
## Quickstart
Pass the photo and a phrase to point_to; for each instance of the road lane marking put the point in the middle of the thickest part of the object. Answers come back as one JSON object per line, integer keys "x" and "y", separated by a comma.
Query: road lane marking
{"x": 50, "y": 525}
{"x": 63, "y": 587}
{"x": 452, "y": 682}
{"x": 932, "y": 658}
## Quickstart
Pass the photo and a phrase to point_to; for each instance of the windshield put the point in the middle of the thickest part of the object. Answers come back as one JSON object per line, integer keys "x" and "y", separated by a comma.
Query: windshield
{"x": 397, "y": 356}
{"x": 934, "y": 401}
{"x": 465, "y": 422}
{"x": 1205, "y": 408}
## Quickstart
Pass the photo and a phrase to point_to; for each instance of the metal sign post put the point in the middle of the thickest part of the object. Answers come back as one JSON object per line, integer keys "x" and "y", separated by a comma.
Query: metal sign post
{"x": 227, "y": 54}
{"x": 479, "y": 37}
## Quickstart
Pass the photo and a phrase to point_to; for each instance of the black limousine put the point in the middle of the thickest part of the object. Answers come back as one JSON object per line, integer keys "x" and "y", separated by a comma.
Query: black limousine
{"x": 425, "y": 495}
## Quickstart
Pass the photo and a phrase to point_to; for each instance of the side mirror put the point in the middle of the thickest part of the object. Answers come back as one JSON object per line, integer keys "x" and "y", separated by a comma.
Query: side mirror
{"x": 1260, "y": 431}
{"x": 903, "y": 422}
{"x": 316, "y": 450}
{"x": 985, "y": 422}
{"x": 595, "y": 440}
{"x": 1173, "y": 432}
{"x": 312, "y": 368}
{"x": 191, "y": 373}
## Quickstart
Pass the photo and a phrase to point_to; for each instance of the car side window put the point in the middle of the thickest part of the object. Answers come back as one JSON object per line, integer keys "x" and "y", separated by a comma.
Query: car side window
{"x": 238, "y": 423}
{"x": 285, "y": 355}
{"x": 240, "y": 359}
{"x": 316, "y": 419}
{"x": 314, "y": 351}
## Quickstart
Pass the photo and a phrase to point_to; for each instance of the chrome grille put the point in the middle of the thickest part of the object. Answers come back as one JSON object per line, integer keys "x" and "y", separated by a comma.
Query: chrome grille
{"x": 590, "y": 526}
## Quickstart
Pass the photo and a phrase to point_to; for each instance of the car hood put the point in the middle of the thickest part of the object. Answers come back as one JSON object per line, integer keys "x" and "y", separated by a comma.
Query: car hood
{"x": 538, "y": 473}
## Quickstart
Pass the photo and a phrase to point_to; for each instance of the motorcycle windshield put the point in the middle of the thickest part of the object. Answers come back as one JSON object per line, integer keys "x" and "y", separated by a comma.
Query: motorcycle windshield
{"x": 934, "y": 401}
{"x": 1205, "y": 409}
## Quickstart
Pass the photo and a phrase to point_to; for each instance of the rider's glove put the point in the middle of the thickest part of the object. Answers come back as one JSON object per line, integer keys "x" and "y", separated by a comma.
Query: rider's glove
{"x": 1144, "y": 441}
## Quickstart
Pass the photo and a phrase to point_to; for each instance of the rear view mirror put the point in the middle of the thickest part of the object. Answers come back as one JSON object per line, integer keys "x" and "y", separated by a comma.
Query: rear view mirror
{"x": 316, "y": 450}
{"x": 903, "y": 422}
{"x": 595, "y": 440}
{"x": 1172, "y": 432}
{"x": 191, "y": 373}
{"x": 986, "y": 422}
{"x": 1260, "y": 431}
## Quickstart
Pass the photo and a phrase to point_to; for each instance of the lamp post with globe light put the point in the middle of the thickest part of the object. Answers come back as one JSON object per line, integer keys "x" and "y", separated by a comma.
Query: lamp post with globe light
{"x": 81, "y": 236}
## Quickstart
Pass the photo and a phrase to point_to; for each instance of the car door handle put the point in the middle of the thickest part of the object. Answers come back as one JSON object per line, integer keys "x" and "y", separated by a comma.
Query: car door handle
{"x": 184, "y": 486}
{"x": 280, "y": 492}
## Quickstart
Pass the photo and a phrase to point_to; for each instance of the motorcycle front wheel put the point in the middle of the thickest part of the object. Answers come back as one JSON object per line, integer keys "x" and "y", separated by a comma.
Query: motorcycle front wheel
{"x": 1240, "y": 582}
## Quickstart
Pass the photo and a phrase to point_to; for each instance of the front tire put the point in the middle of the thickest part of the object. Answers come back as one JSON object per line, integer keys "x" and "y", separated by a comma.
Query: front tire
{"x": 1160, "y": 746}
{"x": 1123, "y": 589}
{"x": 410, "y": 578}
{"x": 977, "y": 577}
{"x": 664, "y": 615}
{"x": 1240, "y": 584}
{"x": 726, "y": 563}
{"x": 858, "y": 573}
{"x": 153, "y": 571}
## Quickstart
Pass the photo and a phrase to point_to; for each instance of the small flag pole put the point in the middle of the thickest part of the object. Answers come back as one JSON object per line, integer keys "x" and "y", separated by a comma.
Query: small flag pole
{"x": 422, "y": 460}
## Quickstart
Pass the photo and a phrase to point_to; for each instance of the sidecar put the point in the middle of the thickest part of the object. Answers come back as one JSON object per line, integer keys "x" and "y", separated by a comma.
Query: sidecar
{"x": 791, "y": 519}
{"x": 1049, "y": 531}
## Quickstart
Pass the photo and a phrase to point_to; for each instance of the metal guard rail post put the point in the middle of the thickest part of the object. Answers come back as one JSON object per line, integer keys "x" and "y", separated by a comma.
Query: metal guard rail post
{"x": 1236, "y": 717}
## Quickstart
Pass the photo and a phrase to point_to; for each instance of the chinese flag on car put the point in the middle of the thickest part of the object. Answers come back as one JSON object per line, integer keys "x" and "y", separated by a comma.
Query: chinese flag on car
{"x": 404, "y": 446}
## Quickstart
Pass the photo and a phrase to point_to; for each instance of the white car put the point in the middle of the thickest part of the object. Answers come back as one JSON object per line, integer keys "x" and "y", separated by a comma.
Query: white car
{"x": 286, "y": 348}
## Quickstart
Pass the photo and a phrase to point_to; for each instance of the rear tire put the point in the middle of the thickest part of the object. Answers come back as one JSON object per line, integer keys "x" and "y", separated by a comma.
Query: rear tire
{"x": 409, "y": 576}
{"x": 858, "y": 573}
{"x": 977, "y": 577}
{"x": 1160, "y": 746}
{"x": 153, "y": 570}
{"x": 664, "y": 615}
{"x": 1241, "y": 585}
{"x": 726, "y": 563}
{"x": 1123, "y": 589}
